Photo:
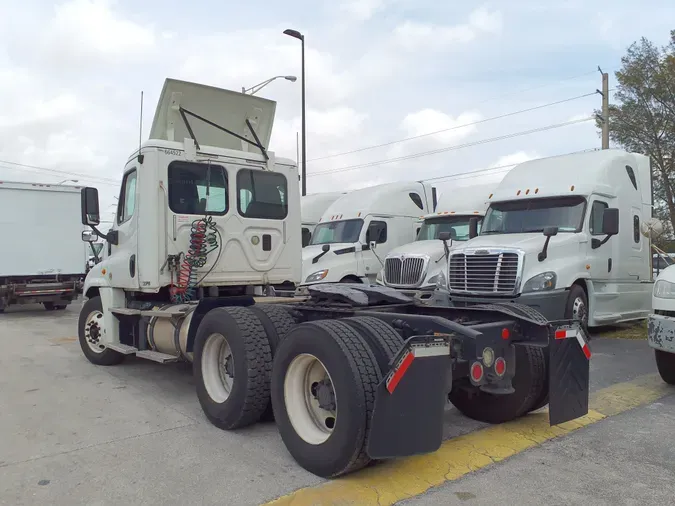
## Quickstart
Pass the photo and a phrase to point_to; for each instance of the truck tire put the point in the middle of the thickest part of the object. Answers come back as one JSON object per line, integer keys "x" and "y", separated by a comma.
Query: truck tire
{"x": 577, "y": 306}
{"x": 382, "y": 339}
{"x": 665, "y": 363}
{"x": 89, "y": 332}
{"x": 277, "y": 322}
{"x": 51, "y": 306}
{"x": 232, "y": 365}
{"x": 528, "y": 383}
{"x": 542, "y": 400}
{"x": 325, "y": 362}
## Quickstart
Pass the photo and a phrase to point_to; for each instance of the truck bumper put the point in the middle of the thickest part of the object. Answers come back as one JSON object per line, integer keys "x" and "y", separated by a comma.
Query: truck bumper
{"x": 661, "y": 332}
{"x": 550, "y": 304}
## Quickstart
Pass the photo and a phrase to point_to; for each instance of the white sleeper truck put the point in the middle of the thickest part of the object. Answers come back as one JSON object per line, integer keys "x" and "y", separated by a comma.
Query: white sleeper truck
{"x": 358, "y": 230}
{"x": 312, "y": 208}
{"x": 415, "y": 268}
{"x": 351, "y": 373}
{"x": 562, "y": 235}
{"x": 661, "y": 325}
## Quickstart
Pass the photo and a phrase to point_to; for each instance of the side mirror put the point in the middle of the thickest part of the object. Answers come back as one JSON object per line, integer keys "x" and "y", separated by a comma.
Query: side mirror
{"x": 444, "y": 236}
{"x": 550, "y": 231}
{"x": 473, "y": 227}
{"x": 610, "y": 221}
{"x": 373, "y": 244}
{"x": 89, "y": 206}
{"x": 325, "y": 247}
{"x": 88, "y": 236}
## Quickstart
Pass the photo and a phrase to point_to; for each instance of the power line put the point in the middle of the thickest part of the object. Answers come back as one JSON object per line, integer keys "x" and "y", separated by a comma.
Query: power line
{"x": 521, "y": 111}
{"x": 5, "y": 164}
{"x": 450, "y": 148}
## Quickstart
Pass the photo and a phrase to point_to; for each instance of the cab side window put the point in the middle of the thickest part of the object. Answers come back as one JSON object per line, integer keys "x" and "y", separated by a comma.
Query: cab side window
{"x": 127, "y": 202}
{"x": 377, "y": 231}
{"x": 306, "y": 236}
{"x": 595, "y": 223}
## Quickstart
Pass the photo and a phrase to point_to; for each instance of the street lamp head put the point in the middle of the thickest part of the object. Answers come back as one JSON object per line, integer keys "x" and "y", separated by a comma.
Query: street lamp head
{"x": 291, "y": 78}
{"x": 295, "y": 34}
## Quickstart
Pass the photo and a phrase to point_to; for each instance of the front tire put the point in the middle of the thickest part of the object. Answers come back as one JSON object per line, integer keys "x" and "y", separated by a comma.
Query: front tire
{"x": 324, "y": 382}
{"x": 232, "y": 365}
{"x": 90, "y": 333}
{"x": 577, "y": 306}
{"x": 665, "y": 363}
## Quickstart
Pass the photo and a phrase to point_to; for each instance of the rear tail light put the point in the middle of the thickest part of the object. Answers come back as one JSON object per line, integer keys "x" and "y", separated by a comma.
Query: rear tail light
{"x": 488, "y": 357}
{"x": 476, "y": 372}
{"x": 500, "y": 366}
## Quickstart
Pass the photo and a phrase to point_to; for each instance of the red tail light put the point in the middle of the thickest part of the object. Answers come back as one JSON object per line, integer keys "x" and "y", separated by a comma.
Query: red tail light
{"x": 476, "y": 372}
{"x": 500, "y": 366}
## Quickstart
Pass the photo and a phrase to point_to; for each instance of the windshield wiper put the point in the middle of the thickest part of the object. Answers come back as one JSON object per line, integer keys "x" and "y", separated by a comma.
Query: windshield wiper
{"x": 184, "y": 112}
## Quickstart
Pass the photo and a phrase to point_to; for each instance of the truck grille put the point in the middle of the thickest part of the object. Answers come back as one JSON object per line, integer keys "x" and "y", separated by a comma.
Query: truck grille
{"x": 494, "y": 273}
{"x": 406, "y": 271}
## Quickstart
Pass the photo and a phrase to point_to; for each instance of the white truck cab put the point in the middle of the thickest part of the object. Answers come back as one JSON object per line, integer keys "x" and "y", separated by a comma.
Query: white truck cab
{"x": 312, "y": 208}
{"x": 205, "y": 210}
{"x": 358, "y": 230}
{"x": 661, "y": 324}
{"x": 562, "y": 235}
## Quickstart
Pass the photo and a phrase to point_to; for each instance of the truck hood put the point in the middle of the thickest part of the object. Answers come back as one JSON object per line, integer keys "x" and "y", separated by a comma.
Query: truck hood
{"x": 309, "y": 252}
{"x": 529, "y": 243}
{"x": 431, "y": 248}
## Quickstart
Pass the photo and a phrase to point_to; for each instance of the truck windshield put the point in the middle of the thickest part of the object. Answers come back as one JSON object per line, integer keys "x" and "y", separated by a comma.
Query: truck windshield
{"x": 533, "y": 215}
{"x": 457, "y": 226}
{"x": 337, "y": 231}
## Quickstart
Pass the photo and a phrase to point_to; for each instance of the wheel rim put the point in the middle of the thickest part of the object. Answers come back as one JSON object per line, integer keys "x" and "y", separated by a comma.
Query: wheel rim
{"x": 579, "y": 310}
{"x": 311, "y": 403}
{"x": 218, "y": 368}
{"x": 93, "y": 332}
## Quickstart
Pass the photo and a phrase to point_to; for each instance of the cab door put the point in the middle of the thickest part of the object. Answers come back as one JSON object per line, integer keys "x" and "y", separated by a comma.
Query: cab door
{"x": 377, "y": 230}
{"x": 122, "y": 261}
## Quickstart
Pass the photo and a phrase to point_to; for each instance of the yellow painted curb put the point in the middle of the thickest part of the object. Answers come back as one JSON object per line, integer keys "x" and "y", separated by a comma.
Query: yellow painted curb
{"x": 400, "y": 479}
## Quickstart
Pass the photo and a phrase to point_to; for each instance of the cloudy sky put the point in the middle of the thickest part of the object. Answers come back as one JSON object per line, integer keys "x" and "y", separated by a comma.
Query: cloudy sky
{"x": 378, "y": 72}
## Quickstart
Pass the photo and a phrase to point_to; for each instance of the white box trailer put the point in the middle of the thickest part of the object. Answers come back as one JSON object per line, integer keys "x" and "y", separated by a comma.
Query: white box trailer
{"x": 41, "y": 259}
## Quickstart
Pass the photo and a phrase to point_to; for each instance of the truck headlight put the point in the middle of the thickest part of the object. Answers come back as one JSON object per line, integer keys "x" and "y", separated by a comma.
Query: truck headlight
{"x": 541, "y": 282}
{"x": 664, "y": 289}
{"x": 379, "y": 279}
{"x": 439, "y": 279}
{"x": 317, "y": 276}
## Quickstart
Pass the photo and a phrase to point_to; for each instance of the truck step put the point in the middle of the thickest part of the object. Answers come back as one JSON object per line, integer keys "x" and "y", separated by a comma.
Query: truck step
{"x": 156, "y": 356}
{"x": 161, "y": 314}
{"x": 125, "y": 311}
{"x": 122, "y": 348}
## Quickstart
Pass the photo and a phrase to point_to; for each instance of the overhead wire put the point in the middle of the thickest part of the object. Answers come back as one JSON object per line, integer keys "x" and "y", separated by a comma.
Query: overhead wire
{"x": 449, "y": 148}
{"x": 9, "y": 165}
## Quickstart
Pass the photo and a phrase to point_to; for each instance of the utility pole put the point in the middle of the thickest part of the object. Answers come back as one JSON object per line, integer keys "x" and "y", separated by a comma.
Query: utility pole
{"x": 605, "y": 108}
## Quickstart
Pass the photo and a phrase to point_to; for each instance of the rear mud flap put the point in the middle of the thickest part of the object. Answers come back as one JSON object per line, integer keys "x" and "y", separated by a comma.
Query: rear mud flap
{"x": 410, "y": 401}
{"x": 569, "y": 374}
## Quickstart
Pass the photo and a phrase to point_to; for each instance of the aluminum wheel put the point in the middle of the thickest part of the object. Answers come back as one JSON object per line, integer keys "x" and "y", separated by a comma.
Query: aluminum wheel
{"x": 310, "y": 399}
{"x": 579, "y": 310}
{"x": 218, "y": 368}
{"x": 93, "y": 331}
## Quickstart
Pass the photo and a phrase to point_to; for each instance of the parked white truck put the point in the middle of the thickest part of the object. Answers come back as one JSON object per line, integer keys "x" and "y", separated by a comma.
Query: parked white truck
{"x": 414, "y": 268}
{"x": 661, "y": 325}
{"x": 562, "y": 235}
{"x": 204, "y": 222}
{"x": 312, "y": 208}
{"x": 33, "y": 215}
{"x": 358, "y": 230}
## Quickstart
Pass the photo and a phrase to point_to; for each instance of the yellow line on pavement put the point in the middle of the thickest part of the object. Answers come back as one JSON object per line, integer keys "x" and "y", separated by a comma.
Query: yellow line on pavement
{"x": 400, "y": 479}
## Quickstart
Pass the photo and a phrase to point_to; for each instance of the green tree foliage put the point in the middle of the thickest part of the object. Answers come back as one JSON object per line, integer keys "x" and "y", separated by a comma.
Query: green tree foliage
{"x": 643, "y": 119}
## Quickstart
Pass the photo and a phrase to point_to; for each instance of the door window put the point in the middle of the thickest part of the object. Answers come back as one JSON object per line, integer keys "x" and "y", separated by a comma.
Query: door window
{"x": 197, "y": 188}
{"x": 306, "y": 236}
{"x": 127, "y": 202}
{"x": 377, "y": 231}
{"x": 262, "y": 194}
{"x": 595, "y": 223}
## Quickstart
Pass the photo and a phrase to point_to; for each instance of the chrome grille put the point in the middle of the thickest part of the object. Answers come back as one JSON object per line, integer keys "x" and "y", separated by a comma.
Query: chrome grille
{"x": 405, "y": 271}
{"x": 495, "y": 273}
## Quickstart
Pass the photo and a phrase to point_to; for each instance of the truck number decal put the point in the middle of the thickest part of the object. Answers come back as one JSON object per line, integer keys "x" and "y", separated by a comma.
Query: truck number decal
{"x": 172, "y": 152}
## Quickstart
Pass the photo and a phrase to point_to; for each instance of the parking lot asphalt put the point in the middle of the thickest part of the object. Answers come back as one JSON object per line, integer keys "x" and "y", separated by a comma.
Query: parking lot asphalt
{"x": 74, "y": 433}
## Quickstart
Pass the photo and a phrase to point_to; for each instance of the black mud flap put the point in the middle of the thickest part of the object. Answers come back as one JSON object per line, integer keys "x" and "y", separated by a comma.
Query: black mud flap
{"x": 410, "y": 400}
{"x": 569, "y": 372}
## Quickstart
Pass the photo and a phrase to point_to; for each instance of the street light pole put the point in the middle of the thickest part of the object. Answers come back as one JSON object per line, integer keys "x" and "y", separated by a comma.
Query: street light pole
{"x": 297, "y": 35}
{"x": 255, "y": 89}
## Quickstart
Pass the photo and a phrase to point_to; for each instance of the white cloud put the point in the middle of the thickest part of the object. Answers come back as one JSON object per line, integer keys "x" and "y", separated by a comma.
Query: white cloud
{"x": 450, "y": 129}
{"x": 414, "y": 35}
{"x": 515, "y": 158}
{"x": 362, "y": 10}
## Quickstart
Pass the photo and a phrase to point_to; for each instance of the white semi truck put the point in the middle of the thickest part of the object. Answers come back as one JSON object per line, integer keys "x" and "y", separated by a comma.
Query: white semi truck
{"x": 414, "y": 268}
{"x": 33, "y": 216}
{"x": 661, "y": 325}
{"x": 562, "y": 235}
{"x": 312, "y": 208}
{"x": 342, "y": 370}
{"x": 358, "y": 230}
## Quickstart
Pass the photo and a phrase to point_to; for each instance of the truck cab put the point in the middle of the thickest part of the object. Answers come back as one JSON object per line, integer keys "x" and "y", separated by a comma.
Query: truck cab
{"x": 312, "y": 207}
{"x": 359, "y": 229}
{"x": 562, "y": 235}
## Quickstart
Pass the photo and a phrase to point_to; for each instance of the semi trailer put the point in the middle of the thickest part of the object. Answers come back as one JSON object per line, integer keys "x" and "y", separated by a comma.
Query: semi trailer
{"x": 352, "y": 372}
{"x": 33, "y": 215}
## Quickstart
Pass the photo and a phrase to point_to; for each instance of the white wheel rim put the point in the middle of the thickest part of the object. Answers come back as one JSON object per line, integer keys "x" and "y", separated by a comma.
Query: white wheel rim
{"x": 579, "y": 310}
{"x": 218, "y": 368}
{"x": 312, "y": 422}
{"x": 93, "y": 331}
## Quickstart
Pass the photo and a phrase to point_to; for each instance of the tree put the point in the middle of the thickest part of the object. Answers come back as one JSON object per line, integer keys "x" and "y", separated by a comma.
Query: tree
{"x": 643, "y": 120}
